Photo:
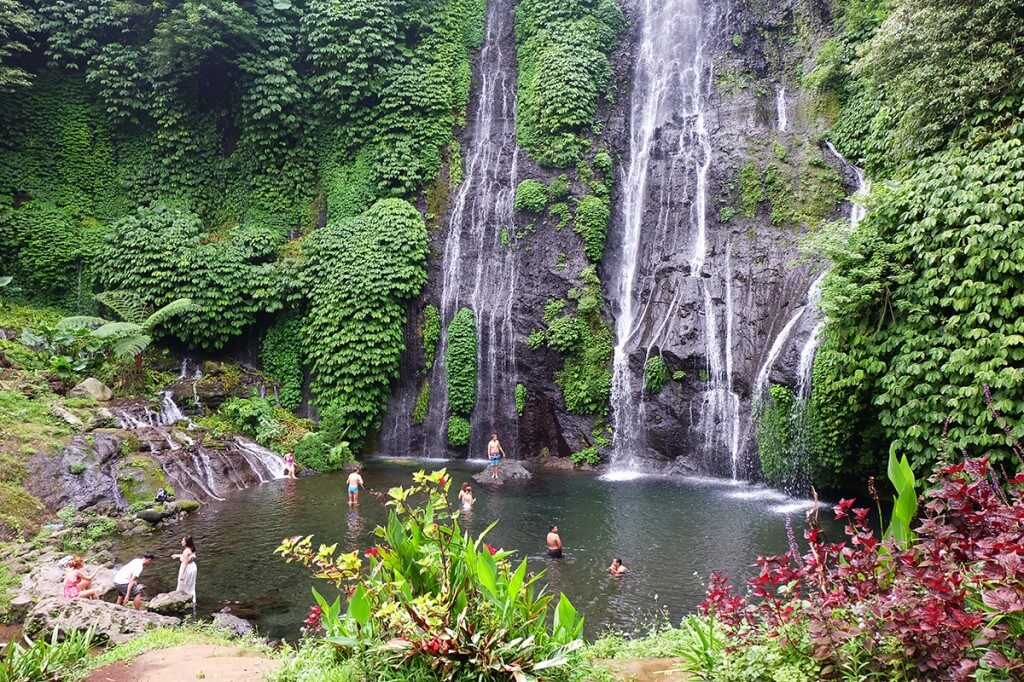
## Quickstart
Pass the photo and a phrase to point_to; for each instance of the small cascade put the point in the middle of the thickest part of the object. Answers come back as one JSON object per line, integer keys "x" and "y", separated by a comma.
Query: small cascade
{"x": 809, "y": 307}
{"x": 479, "y": 266}
{"x": 806, "y": 367}
{"x": 782, "y": 120}
{"x": 663, "y": 213}
{"x": 169, "y": 413}
{"x": 261, "y": 458}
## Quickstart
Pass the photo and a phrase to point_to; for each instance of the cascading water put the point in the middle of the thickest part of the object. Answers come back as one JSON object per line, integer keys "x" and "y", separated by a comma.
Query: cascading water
{"x": 667, "y": 117}
{"x": 479, "y": 268}
{"x": 781, "y": 117}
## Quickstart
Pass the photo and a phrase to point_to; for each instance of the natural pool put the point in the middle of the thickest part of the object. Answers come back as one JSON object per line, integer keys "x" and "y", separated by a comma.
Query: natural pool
{"x": 670, "y": 532}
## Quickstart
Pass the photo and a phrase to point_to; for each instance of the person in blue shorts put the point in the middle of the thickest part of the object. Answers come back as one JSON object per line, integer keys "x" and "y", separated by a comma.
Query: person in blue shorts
{"x": 495, "y": 453}
{"x": 354, "y": 481}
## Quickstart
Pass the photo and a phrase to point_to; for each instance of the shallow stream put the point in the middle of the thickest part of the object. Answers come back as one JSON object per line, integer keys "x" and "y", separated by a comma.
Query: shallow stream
{"x": 670, "y": 532}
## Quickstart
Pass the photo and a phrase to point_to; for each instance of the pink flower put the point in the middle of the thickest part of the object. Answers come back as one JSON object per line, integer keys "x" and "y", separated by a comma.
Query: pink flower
{"x": 491, "y": 549}
{"x": 374, "y": 552}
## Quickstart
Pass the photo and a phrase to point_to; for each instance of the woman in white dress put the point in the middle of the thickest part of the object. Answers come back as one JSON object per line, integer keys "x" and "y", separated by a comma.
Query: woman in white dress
{"x": 187, "y": 571}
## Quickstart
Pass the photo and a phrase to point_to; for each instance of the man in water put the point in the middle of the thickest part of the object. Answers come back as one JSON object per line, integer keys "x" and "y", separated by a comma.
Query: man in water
{"x": 126, "y": 581}
{"x": 495, "y": 453}
{"x": 554, "y": 543}
{"x": 354, "y": 481}
{"x": 617, "y": 568}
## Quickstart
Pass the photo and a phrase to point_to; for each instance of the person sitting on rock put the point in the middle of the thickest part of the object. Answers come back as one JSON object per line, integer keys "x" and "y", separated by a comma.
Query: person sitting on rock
{"x": 127, "y": 580}
{"x": 78, "y": 585}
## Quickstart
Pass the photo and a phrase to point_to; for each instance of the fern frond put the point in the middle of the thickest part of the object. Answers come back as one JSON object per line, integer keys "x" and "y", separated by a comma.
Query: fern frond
{"x": 176, "y": 307}
{"x": 128, "y": 305}
{"x": 113, "y": 330}
{"x": 85, "y": 321}
{"x": 130, "y": 346}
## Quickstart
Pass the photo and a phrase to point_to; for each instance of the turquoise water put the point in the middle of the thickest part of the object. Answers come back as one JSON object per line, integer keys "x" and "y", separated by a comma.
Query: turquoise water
{"x": 670, "y": 532}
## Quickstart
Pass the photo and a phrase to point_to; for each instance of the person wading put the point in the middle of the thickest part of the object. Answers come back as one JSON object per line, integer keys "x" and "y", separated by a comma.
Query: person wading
{"x": 554, "y": 543}
{"x": 495, "y": 452}
{"x": 354, "y": 481}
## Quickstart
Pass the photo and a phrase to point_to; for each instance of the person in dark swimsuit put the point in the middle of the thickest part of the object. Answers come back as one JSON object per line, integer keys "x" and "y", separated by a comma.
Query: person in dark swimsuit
{"x": 554, "y": 543}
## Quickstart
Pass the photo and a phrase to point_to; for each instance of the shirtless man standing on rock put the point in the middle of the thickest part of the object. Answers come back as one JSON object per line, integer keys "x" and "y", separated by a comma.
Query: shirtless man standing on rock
{"x": 495, "y": 453}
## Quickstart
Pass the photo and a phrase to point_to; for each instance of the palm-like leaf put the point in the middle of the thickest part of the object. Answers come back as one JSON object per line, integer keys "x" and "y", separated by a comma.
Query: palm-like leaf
{"x": 77, "y": 321}
{"x": 4, "y": 281}
{"x": 176, "y": 307}
{"x": 128, "y": 305}
{"x": 130, "y": 346}
{"x": 112, "y": 330}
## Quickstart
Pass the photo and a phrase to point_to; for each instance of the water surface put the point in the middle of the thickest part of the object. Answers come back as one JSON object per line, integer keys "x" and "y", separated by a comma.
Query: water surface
{"x": 671, "y": 533}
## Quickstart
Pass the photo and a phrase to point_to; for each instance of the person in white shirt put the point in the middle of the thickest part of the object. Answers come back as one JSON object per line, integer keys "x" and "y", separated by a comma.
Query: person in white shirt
{"x": 126, "y": 580}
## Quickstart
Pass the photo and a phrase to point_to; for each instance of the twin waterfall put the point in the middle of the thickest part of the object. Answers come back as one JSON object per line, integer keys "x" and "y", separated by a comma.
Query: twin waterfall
{"x": 479, "y": 265}
{"x": 663, "y": 213}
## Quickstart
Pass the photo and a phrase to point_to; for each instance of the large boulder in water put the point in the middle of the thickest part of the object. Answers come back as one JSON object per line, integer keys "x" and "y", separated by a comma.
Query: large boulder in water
{"x": 91, "y": 388}
{"x": 175, "y": 603}
{"x": 110, "y": 622}
{"x": 510, "y": 471}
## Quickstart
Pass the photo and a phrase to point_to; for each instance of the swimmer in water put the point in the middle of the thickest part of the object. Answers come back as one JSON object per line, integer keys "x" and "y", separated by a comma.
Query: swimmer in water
{"x": 466, "y": 497}
{"x": 354, "y": 481}
{"x": 554, "y": 543}
{"x": 617, "y": 568}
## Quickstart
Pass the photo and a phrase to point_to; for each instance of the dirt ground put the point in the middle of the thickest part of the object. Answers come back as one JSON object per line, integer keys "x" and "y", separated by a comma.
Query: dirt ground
{"x": 647, "y": 670}
{"x": 187, "y": 664}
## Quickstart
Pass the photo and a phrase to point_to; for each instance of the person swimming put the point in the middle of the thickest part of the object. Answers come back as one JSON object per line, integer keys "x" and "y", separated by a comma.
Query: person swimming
{"x": 354, "y": 481}
{"x": 554, "y": 543}
{"x": 466, "y": 497}
{"x": 617, "y": 568}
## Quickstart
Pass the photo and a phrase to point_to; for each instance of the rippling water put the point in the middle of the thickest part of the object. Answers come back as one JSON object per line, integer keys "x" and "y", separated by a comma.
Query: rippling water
{"x": 670, "y": 532}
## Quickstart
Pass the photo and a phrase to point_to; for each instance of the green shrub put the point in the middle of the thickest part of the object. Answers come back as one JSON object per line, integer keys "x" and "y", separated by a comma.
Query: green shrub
{"x": 531, "y": 197}
{"x": 460, "y": 363}
{"x": 588, "y": 455}
{"x": 313, "y": 452}
{"x": 655, "y": 374}
{"x": 474, "y": 607}
{"x": 537, "y": 339}
{"x": 281, "y": 356}
{"x": 751, "y": 189}
{"x": 254, "y": 417}
{"x": 592, "y": 217}
{"x": 520, "y": 399}
{"x": 603, "y": 164}
{"x": 419, "y": 411}
{"x": 77, "y": 469}
{"x": 562, "y": 52}
{"x": 431, "y": 334}
{"x": 558, "y": 188}
{"x": 458, "y": 431}
{"x": 361, "y": 272}
{"x": 56, "y": 658}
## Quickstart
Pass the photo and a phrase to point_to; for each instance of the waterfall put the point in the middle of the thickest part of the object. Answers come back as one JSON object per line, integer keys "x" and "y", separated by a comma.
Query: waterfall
{"x": 170, "y": 413}
{"x": 479, "y": 272}
{"x": 806, "y": 367}
{"x": 780, "y": 109}
{"x": 664, "y": 208}
{"x": 259, "y": 458}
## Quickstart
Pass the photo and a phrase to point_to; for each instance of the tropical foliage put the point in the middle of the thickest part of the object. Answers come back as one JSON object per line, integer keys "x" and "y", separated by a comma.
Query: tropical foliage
{"x": 431, "y": 597}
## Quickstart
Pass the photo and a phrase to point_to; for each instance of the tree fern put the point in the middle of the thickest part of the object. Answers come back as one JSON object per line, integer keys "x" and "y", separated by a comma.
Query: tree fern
{"x": 176, "y": 307}
{"x": 129, "y": 306}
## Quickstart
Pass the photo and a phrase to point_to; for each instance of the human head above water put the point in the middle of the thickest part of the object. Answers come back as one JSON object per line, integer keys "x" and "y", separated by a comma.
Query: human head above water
{"x": 147, "y": 557}
{"x": 465, "y": 486}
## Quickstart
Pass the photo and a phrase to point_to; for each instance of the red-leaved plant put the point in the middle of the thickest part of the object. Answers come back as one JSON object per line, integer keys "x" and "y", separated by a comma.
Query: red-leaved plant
{"x": 948, "y": 605}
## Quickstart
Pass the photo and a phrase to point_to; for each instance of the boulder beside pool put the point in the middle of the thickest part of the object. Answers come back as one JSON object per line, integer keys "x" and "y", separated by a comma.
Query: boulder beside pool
{"x": 510, "y": 471}
{"x": 110, "y": 622}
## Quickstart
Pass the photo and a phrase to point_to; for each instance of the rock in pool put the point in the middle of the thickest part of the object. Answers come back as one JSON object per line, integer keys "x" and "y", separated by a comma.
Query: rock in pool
{"x": 510, "y": 471}
{"x": 171, "y": 603}
{"x": 233, "y": 624}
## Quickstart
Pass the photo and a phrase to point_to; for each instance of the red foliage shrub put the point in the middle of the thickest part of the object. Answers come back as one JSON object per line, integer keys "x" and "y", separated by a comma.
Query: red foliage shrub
{"x": 953, "y": 600}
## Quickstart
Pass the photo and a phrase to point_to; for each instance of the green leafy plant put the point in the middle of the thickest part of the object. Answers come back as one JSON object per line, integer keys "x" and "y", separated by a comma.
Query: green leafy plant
{"x": 531, "y": 196}
{"x": 458, "y": 431}
{"x": 592, "y": 217}
{"x": 460, "y": 363}
{"x": 520, "y": 399}
{"x": 904, "y": 508}
{"x": 281, "y": 356}
{"x": 431, "y": 334}
{"x": 46, "y": 659}
{"x": 655, "y": 374}
{"x": 588, "y": 455}
{"x": 432, "y": 595}
{"x": 422, "y": 406}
